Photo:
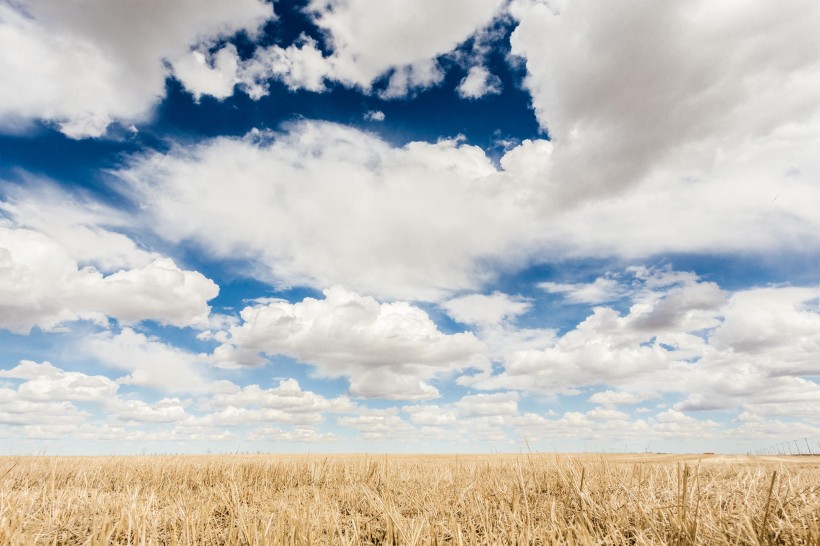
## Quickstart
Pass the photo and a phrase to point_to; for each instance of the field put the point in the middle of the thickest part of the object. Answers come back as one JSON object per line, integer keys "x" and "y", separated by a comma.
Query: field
{"x": 492, "y": 499}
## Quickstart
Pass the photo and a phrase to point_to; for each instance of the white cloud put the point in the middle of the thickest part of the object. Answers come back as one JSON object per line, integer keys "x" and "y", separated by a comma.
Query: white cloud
{"x": 85, "y": 228}
{"x": 754, "y": 350}
{"x": 607, "y": 414}
{"x": 620, "y": 398}
{"x": 729, "y": 207}
{"x": 675, "y": 424}
{"x": 203, "y": 73}
{"x": 321, "y": 204}
{"x": 387, "y": 350}
{"x": 367, "y": 40}
{"x": 642, "y": 349}
{"x": 627, "y": 91}
{"x": 494, "y": 317}
{"x": 334, "y": 205}
{"x": 287, "y": 396}
{"x": 39, "y": 396}
{"x": 83, "y": 65}
{"x": 232, "y": 416}
{"x": 151, "y": 362}
{"x": 478, "y": 83}
{"x": 639, "y": 349}
{"x": 369, "y": 37}
{"x": 15, "y": 410}
{"x": 374, "y": 115}
{"x": 781, "y": 322}
{"x": 600, "y": 350}
{"x": 486, "y": 310}
{"x": 167, "y": 410}
{"x": 379, "y": 424}
{"x": 41, "y": 285}
{"x": 594, "y": 426}
{"x": 45, "y": 382}
{"x": 298, "y": 66}
{"x": 763, "y": 355}
{"x": 45, "y": 395}
{"x": 601, "y": 290}
{"x": 431, "y": 415}
{"x": 488, "y": 405}
{"x": 656, "y": 164}
{"x": 401, "y": 38}
{"x": 298, "y": 434}
{"x": 497, "y": 418}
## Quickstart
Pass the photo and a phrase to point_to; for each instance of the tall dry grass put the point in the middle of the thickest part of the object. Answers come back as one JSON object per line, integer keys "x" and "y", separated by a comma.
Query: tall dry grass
{"x": 528, "y": 499}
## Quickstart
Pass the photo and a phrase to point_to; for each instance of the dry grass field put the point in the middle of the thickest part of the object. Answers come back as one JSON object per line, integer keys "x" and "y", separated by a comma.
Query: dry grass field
{"x": 493, "y": 499}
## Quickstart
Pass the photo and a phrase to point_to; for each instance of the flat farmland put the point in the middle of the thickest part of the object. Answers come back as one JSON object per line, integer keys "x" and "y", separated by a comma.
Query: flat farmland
{"x": 416, "y": 499}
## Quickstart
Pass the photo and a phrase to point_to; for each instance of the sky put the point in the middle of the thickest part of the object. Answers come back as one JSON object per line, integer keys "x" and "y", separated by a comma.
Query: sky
{"x": 409, "y": 226}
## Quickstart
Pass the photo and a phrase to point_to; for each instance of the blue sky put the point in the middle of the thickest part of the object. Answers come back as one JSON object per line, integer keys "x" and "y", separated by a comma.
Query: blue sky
{"x": 402, "y": 226}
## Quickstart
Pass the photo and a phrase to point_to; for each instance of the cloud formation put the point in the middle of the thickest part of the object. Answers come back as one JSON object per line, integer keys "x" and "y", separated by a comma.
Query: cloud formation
{"x": 495, "y": 280}
{"x": 479, "y": 82}
{"x": 149, "y": 361}
{"x": 41, "y": 285}
{"x": 366, "y": 40}
{"x": 632, "y": 88}
{"x": 385, "y": 350}
{"x": 753, "y": 350}
{"x": 334, "y": 205}
{"x": 84, "y": 65}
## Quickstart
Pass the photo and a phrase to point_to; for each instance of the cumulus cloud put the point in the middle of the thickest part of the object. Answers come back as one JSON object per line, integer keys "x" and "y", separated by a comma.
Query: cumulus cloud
{"x": 369, "y": 40}
{"x": 385, "y": 350}
{"x": 483, "y": 309}
{"x": 493, "y": 318}
{"x": 166, "y": 410}
{"x": 83, "y": 65}
{"x": 369, "y": 37}
{"x": 42, "y": 285}
{"x": 151, "y": 362}
{"x": 334, "y": 205}
{"x": 287, "y": 396}
{"x": 753, "y": 350}
{"x": 45, "y": 382}
{"x": 488, "y": 405}
{"x": 781, "y": 322}
{"x": 497, "y": 418}
{"x": 763, "y": 356}
{"x": 39, "y": 400}
{"x": 205, "y": 73}
{"x": 374, "y": 115}
{"x": 46, "y": 393}
{"x": 431, "y": 415}
{"x": 675, "y": 424}
{"x": 299, "y": 66}
{"x": 478, "y": 83}
{"x": 626, "y": 91}
{"x": 594, "y": 426}
{"x": 379, "y": 424}
{"x": 601, "y": 290}
{"x": 88, "y": 230}
{"x": 18, "y": 411}
{"x": 620, "y": 398}
{"x": 639, "y": 349}
{"x": 298, "y": 434}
